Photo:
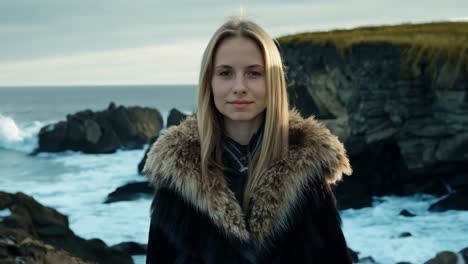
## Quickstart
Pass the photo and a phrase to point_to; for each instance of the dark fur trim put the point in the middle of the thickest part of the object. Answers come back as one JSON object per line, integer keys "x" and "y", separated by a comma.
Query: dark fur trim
{"x": 314, "y": 155}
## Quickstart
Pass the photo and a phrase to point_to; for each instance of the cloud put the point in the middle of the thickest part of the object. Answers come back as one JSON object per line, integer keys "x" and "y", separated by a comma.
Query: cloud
{"x": 164, "y": 64}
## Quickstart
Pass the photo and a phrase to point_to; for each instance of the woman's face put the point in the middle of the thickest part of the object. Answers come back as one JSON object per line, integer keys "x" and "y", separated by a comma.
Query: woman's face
{"x": 238, "y": 82}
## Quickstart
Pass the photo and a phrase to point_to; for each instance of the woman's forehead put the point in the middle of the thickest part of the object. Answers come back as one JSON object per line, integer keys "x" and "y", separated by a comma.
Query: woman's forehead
{"x": 238, "y": 52}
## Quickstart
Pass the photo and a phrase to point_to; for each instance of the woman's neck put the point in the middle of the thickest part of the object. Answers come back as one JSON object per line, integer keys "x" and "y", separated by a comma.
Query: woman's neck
{"x": 242, "y": 131}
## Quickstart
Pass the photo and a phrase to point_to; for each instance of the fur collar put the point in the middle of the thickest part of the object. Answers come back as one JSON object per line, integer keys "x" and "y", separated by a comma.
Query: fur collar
{"x": 315, "y": 155}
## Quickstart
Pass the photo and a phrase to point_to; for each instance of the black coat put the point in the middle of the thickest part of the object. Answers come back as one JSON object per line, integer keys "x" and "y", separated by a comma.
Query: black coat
{"x": 292, "y": 216}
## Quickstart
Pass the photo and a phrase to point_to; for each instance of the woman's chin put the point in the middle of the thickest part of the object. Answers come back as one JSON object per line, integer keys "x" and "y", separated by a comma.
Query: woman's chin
{"x": 243, "y": 116}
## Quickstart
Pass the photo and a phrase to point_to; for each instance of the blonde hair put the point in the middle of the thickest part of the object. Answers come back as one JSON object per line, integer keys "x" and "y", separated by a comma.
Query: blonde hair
{"x": 210, "y": 122}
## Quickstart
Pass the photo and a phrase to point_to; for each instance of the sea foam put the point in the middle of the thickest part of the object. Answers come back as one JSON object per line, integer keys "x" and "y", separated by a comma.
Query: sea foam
{"x": 20, "y": 137}
{"x": 375, "y": 231}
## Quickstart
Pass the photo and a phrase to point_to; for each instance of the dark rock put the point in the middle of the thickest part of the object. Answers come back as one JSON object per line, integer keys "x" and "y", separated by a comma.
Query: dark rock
{"x": 29, "y": 215}
{"x": 32, "y": 221}
{"x": 131, "y": 248}
{"x": 103, "y": 131}
{"x": 308, "y": 58}
{"x": 458, "y": 181}
{"x": 464, "y": 254}
{"x": 29, "y": 250}
{"x": 305, "y": 103}
{"x": 52, "y": 137}
{"x": 367, "y": 260}
{"x": 407, "y": 213}
{"x": 5, "y": 200}
{"x": 175, "y": 117}
{"x": 354, "y": 255}
{"x": 141, "y": 164}
{"x": 444, "y": 257}
{"x": 378, "y": 170}
{"x": 404, "y": 234}
{"x": 454, "y": 201}
{"x": 129, "y": 192}
{"x": 111, "y": 106}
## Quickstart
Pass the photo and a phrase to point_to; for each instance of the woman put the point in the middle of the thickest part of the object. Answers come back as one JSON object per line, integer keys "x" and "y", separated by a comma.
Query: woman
{"x": 247, "y": 181}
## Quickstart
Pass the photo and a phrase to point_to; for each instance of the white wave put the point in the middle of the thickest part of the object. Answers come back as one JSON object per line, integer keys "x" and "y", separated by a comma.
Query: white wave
{"x": 77, "y": 184}
{"x": 374, "y": 231}
{"x": 8, "y": 129}
{"x": 20, "y": 137}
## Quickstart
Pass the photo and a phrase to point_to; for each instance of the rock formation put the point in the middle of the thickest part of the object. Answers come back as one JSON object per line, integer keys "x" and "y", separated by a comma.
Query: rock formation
{"x": 103, "y": 131}
{"x": 405, "y": 125}
{"x": 33, "y": 230}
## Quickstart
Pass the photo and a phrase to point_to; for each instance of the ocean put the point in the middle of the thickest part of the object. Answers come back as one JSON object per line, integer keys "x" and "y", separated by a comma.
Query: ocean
{"x": 76, "y": 184}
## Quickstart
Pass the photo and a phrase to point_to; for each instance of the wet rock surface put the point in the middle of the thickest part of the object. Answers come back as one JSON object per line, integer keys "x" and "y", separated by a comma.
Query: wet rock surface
{"x": 405, "y": 128}
{"x": 32, "y": 229}
{"x": 117, "y": 127}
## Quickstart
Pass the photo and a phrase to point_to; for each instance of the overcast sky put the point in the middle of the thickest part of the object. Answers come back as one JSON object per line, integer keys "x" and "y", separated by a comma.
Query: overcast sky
{"x": 64, "y": 42}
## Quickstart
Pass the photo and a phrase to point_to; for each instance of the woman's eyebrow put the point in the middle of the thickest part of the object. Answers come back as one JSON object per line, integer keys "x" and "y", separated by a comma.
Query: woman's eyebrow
{"x": 230, "y": 67}
{"x": 254, "y": 66}
{"x": 224, "y": 66}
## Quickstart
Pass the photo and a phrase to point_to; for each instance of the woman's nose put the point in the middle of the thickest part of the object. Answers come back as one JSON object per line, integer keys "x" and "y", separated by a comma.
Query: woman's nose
{"x": 240, "y": 85}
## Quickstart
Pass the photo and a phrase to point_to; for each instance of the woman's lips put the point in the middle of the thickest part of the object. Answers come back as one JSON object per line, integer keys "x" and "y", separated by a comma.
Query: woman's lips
{"x": 240, "y": 104}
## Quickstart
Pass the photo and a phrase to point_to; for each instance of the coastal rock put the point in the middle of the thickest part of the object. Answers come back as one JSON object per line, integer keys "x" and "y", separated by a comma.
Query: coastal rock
{"x": 175, "y": 117}
{"x": 464, "y": 254}
{"x": 406, "y": 213}
{"x": 129, "y": 192}
{"x": 405, "y": 129}
{"x": 444, "y": 257}
{"x": 354, "y": 255}
{"x": 28, "y": 250}
{"x": 454, "y": 201}
{"x": 31, "y": 220}
{"x": 131, "y": 248}
{"x": 367, "y": 260}
{"x": 141, "y": 164}
{"x": 103, "y": 131}
{"x": 448, "y": 257}
{"x": 404, "y": 234}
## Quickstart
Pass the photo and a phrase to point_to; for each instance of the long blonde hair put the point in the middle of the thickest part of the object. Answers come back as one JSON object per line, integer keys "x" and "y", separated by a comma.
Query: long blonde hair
{"x": 210, "y": 122}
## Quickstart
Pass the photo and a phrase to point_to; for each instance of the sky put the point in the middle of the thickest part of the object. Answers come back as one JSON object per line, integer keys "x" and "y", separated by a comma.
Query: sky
{"x": 118, "y": 42}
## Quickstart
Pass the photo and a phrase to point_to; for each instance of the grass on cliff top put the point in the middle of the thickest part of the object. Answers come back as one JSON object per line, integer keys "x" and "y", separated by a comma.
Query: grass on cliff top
{"x": 434, "y": 42}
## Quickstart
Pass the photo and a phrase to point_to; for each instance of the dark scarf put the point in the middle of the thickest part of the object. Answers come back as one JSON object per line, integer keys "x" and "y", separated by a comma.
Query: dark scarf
{"x": 236, "y": 160}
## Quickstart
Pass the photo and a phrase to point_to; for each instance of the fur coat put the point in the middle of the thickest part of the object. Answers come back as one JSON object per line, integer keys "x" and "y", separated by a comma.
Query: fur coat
{"x": 292, "y": 216}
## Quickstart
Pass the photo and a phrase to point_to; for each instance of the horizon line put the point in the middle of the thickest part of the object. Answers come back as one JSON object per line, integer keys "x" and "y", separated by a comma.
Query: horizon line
{"x": 96, "y": 85}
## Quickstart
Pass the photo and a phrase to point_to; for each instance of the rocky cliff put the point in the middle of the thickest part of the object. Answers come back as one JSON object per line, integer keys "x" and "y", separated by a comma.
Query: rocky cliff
{"x": 397, "y": 100}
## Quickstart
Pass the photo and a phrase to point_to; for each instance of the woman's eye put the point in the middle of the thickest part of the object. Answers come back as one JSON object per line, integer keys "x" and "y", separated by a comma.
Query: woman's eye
{"x": 255, "y": 74}
{"x": 225, "y": 74}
